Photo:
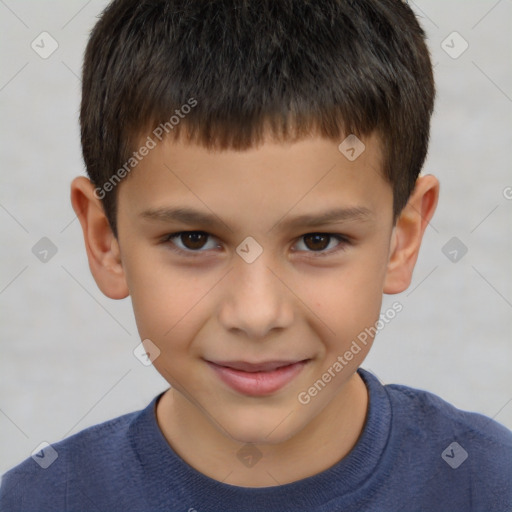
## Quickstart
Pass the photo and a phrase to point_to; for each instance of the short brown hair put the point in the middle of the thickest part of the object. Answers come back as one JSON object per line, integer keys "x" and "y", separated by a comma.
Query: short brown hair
{"x": 296, "y": 67}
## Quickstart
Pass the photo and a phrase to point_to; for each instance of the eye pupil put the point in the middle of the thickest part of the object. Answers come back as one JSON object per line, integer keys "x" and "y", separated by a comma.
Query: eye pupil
{"x": 193, "y": 240}
{"x": 320, "y": 242}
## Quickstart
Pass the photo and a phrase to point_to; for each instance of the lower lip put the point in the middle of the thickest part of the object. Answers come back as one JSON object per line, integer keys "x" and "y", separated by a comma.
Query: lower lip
{"x": 258, "y": 383}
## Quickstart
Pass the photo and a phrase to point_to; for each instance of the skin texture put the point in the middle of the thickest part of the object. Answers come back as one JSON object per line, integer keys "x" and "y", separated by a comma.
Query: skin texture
{"x": 289, "y": 304}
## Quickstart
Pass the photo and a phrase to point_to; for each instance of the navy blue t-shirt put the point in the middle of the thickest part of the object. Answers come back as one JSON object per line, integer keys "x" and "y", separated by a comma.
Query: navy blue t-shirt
{"x": 416, "y": 453}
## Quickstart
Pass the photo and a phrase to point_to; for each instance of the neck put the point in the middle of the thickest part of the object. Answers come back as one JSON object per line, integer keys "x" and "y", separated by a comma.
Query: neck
{"x": 327, "y": 439}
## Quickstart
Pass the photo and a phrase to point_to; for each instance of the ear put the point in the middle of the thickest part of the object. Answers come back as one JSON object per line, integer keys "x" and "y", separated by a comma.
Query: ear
{"x": 101, "y": 245}
{"x": 408, "y": 233}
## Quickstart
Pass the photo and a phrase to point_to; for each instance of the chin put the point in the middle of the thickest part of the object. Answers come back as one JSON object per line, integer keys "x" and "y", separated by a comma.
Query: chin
{"x": 264, "y": 429}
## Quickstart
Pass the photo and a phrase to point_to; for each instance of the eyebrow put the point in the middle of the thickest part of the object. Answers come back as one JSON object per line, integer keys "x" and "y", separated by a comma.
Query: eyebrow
{"x": 195, "y": 217}
{"x": 337, "y": 215}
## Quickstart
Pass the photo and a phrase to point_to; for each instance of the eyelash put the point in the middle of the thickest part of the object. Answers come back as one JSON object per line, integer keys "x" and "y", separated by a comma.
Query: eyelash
{"x": 343, "y": 242}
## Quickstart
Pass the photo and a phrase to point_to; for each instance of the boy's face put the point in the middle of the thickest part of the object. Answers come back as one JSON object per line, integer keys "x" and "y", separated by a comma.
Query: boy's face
{"x": 303, "y": 300}
{"x": 251, "y": 310}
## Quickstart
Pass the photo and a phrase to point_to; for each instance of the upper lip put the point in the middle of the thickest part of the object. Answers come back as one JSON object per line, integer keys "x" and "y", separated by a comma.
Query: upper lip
{"x": 265, "y": 366}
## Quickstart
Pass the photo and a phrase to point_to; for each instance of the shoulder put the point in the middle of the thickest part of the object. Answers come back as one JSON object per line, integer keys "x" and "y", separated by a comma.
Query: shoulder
{"x": 437, "y": 416}
{"x": 455, "y": 449}
{"x": 41, "y": 481}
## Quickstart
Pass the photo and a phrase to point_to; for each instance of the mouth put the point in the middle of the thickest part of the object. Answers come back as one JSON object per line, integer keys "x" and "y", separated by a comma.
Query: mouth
{"x": 257, "y": 379}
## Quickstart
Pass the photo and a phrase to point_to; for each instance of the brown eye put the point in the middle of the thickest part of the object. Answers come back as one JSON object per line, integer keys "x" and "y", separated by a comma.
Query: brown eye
{"x": 193, "y": 239}
{"x": 321, "y": 244}
{"x": 191, "y": 243}
{"x": 317, "y": 241}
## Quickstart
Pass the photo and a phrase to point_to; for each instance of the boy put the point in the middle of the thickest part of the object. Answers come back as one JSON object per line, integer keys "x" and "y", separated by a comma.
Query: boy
{"x": 254, "y": 189}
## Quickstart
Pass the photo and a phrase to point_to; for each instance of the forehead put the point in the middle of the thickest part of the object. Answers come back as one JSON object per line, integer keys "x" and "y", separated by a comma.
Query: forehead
{"x": 261, "y": 182}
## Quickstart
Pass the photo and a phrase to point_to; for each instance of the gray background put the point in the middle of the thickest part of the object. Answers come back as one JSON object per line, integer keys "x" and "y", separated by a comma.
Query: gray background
{"x": 66, "y": 350}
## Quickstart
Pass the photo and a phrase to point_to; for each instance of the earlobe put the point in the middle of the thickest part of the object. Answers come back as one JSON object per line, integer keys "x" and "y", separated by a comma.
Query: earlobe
{"x": 408, "y": 233}
{"x": 102, "y": 247}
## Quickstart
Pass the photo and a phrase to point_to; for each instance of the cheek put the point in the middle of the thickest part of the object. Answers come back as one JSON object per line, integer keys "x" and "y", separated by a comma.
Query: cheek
{"x": 168, "y": 310}
{"x": 165, "y": 299}
{"x": 348, "y": 304}
{"x": 347, "y": 300}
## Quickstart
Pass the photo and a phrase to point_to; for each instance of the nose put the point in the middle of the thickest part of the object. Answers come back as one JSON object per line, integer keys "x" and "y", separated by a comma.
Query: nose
{"x": 256, "y": 301}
